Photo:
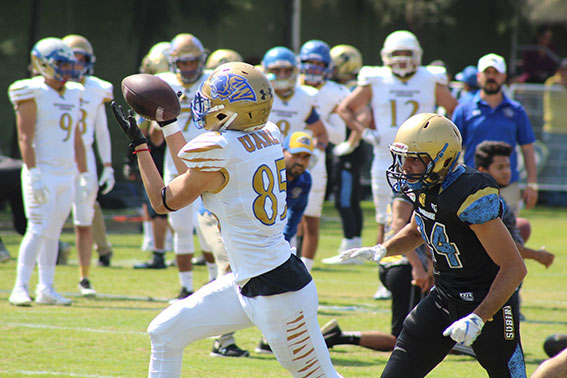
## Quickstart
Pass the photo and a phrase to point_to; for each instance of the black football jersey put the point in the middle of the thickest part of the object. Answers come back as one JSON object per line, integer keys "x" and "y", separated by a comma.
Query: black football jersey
{"x": 463, "y": 270}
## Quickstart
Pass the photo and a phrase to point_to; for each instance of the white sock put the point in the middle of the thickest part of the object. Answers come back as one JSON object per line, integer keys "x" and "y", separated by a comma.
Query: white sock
{"x": 46, "y": 263}
{"x": 29, "y": 250}
{"x": 148, "y": 240}
{"x": 308, "y": 263}
{"x": 212, "y": 268}
{"x": 186, "y": 279}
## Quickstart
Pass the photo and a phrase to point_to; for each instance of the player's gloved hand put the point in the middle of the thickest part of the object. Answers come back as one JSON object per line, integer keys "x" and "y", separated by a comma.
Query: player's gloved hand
{"x": 315, "y": 156}
{"x": 465, "y": 330}
{"x": 371, "y": 137}
{"x": 128, "y": 125}
{"x": 39, "y": 190}
{"x": 375, "y": 253}
{"x": 344, "y": 148}
{"x": 107, "y": 178}
{"x": 83, "y": 190}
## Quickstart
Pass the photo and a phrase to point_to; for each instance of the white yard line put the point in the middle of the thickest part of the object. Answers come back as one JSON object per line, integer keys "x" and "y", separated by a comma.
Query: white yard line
{"x": 57, "y": 373}
{"x": 82, "y": 329}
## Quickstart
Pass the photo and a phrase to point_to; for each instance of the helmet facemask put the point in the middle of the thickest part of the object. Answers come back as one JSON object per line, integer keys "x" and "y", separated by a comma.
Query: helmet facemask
{"x": 434, "y": 172}
{"x": 48, "y": 55}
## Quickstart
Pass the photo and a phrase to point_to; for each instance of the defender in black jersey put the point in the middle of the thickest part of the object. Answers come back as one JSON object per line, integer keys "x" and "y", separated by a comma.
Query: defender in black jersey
{"x": 477, "y": 266}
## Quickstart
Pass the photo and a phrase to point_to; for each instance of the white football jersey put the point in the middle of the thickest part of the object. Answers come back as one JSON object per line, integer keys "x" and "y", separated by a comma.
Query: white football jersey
{"x": 326, "y": 100}
{"x": 290, "y": 114}
{"x": 251, "y": 206}
{"x": 97, "y": 93}
{"x": 185, "y": 120}
{"x": 56, "y": 119}
{"x": 395, "y": 100}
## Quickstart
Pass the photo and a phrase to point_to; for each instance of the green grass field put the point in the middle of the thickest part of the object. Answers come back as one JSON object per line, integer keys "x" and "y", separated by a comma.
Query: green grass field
{"x": 105, "y": 336}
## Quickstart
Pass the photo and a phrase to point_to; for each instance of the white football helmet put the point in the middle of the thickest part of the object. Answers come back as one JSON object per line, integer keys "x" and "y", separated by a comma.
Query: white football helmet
{"x": 81, "y": 45}
{"x": 397, "y": 44}
{"x": 48, "y": 55}
{"x": 235, "y": 97}
{"x": 186, "y": 47}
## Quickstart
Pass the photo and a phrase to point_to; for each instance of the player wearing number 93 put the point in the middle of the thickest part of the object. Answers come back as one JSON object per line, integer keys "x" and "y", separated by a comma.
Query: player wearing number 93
{"x": 238, "y": 168}
{"x": 477, "y": 266}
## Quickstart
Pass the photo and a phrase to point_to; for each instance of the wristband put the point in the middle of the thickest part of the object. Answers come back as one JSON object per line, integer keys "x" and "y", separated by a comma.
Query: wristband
{"x": 170, "y": 129}
{"x": 533, "y": 185}
{"x": 141, "y": 150}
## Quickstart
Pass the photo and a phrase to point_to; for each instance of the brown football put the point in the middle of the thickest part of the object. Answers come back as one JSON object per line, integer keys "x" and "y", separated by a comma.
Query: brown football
{"x": 150, "y": 97}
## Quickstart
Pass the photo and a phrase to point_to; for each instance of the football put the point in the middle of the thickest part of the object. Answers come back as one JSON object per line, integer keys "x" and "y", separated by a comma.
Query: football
{"x": 150, "y": 97}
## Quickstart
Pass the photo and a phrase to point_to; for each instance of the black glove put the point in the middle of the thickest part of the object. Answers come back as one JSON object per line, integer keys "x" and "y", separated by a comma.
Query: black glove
{"x": 128, "y": 125}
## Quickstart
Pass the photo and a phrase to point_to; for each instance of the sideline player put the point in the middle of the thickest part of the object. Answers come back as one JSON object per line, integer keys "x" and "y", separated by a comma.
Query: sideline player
{"x": 395, "y": 91}
{"x": 93, "y": 123}
{"x": 477, "y": 266}
{"x": 315, "y": 67}
{"x": 240, "y": 163}
{"x": 50, "y": 143}
{"x": 187, "y": 63}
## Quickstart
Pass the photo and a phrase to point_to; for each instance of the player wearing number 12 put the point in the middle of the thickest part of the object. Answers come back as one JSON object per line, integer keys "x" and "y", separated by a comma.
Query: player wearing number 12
{"x": 477, "y": 266}
{"x": 238, "y": 169}
{"x": 394, "y": 92}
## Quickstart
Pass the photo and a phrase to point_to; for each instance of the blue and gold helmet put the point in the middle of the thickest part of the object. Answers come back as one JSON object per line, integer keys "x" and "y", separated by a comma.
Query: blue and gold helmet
{"x": 236, "y": 96}
{"x": 187, "y": 47}
{"x": 280, "y": 65}
{"x": 47, "y": 57}
{"x": 311, "y": 52}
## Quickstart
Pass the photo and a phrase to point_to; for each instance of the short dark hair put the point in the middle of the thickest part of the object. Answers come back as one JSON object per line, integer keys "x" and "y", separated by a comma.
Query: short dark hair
{"x": 485, "y": 152}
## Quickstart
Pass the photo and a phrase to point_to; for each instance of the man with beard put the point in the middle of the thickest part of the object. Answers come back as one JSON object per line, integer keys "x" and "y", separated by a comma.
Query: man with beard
{"x": 298, "y": 148}
{"x": 490, "y": 115}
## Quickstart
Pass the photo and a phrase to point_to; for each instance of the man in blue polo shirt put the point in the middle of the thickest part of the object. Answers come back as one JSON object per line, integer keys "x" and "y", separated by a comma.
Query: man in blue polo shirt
{"x": 298, "y": 148}
{"x": 490, "y": 115}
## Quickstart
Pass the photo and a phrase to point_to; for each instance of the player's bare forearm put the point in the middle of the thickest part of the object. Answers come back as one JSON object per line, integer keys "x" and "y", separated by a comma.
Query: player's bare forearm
{"x": 353, "y": 104}
{"x": 502, "y": 249}
{"x": 406, "y": 240}
{"x": 151, "y": 178}
{"x": 80, "y": 151}
{"x": 25, "y": 122}
{"x": 175, "y": 143}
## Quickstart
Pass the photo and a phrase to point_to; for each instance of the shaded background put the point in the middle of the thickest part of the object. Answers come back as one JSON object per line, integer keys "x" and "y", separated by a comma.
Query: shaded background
{"x": 122, "y": 31}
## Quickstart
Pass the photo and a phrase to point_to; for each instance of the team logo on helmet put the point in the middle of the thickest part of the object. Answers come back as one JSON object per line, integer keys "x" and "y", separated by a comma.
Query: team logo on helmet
{"x": 231, "y": 87}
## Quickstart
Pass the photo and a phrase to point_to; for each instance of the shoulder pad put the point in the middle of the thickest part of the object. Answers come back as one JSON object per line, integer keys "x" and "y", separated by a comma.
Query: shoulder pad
{"x": 480, "y": 206}
{"x": 440, "y": 74}
{"x": 207, "y": 152}
{"x": 23, "y": 90}
{"x": 366, "y": 74}
{"x": 103, "y": 86}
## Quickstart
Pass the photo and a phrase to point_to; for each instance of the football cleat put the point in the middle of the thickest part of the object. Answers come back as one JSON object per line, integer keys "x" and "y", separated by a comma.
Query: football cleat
{"x": 231, "y": 350}
{"x": 20, "y": 296}
{"x": 263, "y": 347}
{"x": 85, "y": 288}
{"x": 49, "y": 296}
{"x": 104, "y": 260}
{"x": 183, "y": 293}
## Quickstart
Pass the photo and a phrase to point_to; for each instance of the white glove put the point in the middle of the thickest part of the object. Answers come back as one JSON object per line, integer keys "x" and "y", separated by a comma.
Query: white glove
{"x": 83, "y": 188}
{"x": 344, "y": 148}
{"x": 39, "y": 190}
{"x": 107, "y": 177}
{"x": 465, "y": 330}
{"x": 315, "y": 156}
{"x": 371, "y": 137}
{"x": 375, "y": 253}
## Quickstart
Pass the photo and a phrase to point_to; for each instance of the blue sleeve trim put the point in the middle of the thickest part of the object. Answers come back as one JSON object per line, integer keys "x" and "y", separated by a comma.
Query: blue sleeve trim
{"x": 482, "y": 210}
{"x": 313, "y": 117}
